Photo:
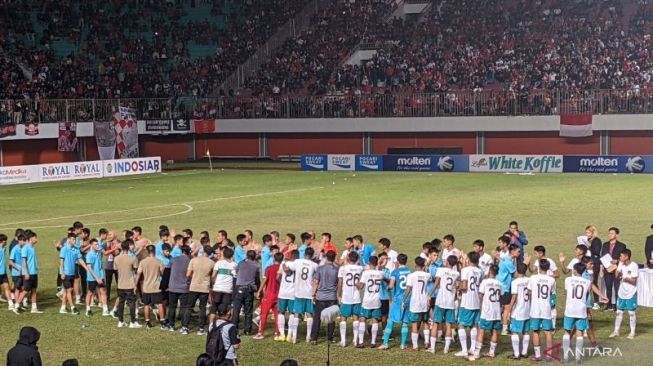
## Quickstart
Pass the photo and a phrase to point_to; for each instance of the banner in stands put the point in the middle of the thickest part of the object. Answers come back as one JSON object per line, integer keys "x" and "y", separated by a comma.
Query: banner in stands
{"x": 69, "y": 171}
{"x": 369, "y": 163}
{"x": 124, "y": 122}
{"x": 31, "y": 124}
{"x": 181, "y": 124}
{"x": 516, "y": 163}
{"x": 7, "y": 124}
{"x": 67, "y": 136}
{"x": 314, "y": 162}
{"x": 105, "y": 138}
{"x": 115, "y": 168}
{"x": 341, "y": 162}
{"x": 608, "y": 164}
{"x": 80, "y": 170}
{"x": 18, "y": 174}
{"x": 158, "y": 125}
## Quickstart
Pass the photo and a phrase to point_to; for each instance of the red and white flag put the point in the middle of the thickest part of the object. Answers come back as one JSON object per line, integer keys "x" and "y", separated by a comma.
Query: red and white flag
{"x": 124, "y": 123}
{"x": 576, "y": 125}
{"x": 204, "y": 126}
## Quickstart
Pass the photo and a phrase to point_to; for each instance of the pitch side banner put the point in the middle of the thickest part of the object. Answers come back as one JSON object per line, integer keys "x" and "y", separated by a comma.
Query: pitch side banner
{"x": 608, "y": 164}
{"x": 425, "y": 163}
{"x": 314, "y": 162}
{"x": 116, "y": 168}
{"x": 516, "y": 163}
{"x": 69, "y": 171}
{"x": 341, "y": 162}
{"x": 369, "y": 163}
{"x": 18, "y": 174}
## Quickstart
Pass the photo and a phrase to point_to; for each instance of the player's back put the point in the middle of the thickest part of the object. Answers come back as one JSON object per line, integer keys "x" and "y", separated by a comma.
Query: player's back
{"x": 350, "y": 274}
{"x": 470, "y": 298}
{"x": 541, "y": 287}
{"x": 400, "y": 275}
{"x": 447, "y": 291}
{"x": 522, "y": 307}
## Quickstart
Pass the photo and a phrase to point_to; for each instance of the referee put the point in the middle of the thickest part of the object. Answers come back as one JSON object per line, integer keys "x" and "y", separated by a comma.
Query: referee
{"x": 325, "y": 285}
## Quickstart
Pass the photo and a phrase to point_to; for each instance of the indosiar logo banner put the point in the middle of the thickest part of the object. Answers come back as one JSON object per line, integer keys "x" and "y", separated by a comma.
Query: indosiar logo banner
{"x": 341, "y": 162}
{"x": 314, "y": 162}
{"x": 516, "y": 163}
{"x": 119, "y": 167}
{"x": 369, "y": 163}
{"x": 608, "y": 164}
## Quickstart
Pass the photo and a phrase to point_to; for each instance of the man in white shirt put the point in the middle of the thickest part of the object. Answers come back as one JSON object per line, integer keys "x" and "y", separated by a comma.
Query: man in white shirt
{"x": 224, "y": 272}
{"x": 304, "y": 270}
{"x": 470, "y": 306}
{"x": 384, "y": 245}
{"x": 449, "y": 249}
{"x": 416, "y": 285}
{"x": 350, "y": 298}
{"x": 519, "y": 319}
{"x": 370, "y": 282}
{"x": 490, "y": 321}
{"x": 577, "y": 289}
{"x": 627, "y": 272}
{"x": 581, "y": 251}
{"x": 484, "y": 260}
{"x": 541, "y": 287}
{"x": 446, "y": 283}
{"x": 349, "y": 247}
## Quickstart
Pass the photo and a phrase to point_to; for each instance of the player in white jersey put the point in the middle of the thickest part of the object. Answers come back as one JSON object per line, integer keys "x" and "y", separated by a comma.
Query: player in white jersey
{"x": 519, "y": 318}
{"x": 540, "y": 253}
{"x": 578, "y": 290}
{"x": 470, "y": 305}
{"x": 286, "y": 298}
{"x": 449, "y": 249}
{"x": 490, "y": 321}
{"x": 446, "y": 283}
{"x": 371, "y": 305}
{"x": 581, "y": 250}
{"x": 541, "y": 288}
{"x": 484, "y": 260}
{"x": 303, "y": 269}
{"x": 350, "y": 298}
{"x": 627, "y": 272}
{"x": 416, "y": 284}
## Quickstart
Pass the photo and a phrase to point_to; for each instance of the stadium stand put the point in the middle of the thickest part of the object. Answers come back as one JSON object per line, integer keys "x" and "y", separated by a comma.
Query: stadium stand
{"x": 496, "y": 57}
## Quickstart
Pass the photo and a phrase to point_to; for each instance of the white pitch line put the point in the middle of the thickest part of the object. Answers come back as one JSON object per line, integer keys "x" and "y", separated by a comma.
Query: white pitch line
{"x": 158, "y": 206}
{"x": 188, "y": 209}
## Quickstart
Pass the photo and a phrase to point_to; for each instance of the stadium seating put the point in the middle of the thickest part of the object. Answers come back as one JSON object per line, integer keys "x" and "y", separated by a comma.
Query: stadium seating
{"x": 462, "y": 57}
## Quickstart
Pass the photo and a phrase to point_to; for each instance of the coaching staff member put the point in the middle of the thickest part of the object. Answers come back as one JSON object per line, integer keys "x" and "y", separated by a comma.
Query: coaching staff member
{"x": 325, "y": 286}
{"x": 247, "y": 282}
{"x": 648, "y": 250}
{"x": 613, "y": 247}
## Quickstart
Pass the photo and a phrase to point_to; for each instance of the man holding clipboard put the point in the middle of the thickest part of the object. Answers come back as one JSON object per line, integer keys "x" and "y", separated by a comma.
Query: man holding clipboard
{"x": 610, "y": 253}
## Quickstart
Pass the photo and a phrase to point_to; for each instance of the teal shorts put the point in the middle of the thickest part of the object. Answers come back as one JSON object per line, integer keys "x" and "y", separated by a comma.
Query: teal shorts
{"x": 441, "y": 315}
{"x": 489, "y": 325}
{"x": 349, "y": 310}
{"x": 627, "y": 304}
{"x": 370, "y": 313}
{"x": 541, "y": 324}
{"x": 468, "y": 318}
{"x": 580, "y": 324}
{"x": 419, "y": 317}
{"x": 303, "y": 306}
{"x": 519, "y": 326}
{"x": 286, "y": 305}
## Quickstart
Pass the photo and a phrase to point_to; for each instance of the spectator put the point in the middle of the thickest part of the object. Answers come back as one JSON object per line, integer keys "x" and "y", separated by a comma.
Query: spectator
{"x": 25, "y": 352}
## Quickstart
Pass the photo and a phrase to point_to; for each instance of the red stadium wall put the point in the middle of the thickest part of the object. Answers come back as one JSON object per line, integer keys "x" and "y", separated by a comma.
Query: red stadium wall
{"x": 179, "y": 147}
{"x": 232, "y": 144}
{"x": 631, "y": 142}
{"x": 28, "y": 152}
{"x": 382, "y": 141}
{"x": 319, "y": 143}
{"x": 540, "y": 143}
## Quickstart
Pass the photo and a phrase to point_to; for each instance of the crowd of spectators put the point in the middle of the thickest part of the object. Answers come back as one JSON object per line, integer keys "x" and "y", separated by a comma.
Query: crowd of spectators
{"x": 474, "y": 57}
{"x": 135, "y": 49}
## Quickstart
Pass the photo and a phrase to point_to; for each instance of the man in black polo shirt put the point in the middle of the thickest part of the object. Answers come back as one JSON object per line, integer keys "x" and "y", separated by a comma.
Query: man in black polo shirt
{"x": 247, "y": 282}
{"x": 325, "y": 287}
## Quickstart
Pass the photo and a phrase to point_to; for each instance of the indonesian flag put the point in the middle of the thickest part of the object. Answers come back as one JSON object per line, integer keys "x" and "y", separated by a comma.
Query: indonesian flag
{"x": 204, "y": 125}
{"x": 576, "y": 125}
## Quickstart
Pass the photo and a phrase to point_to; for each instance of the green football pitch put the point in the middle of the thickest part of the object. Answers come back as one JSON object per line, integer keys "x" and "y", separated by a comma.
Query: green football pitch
{"x": 408, "y": 208}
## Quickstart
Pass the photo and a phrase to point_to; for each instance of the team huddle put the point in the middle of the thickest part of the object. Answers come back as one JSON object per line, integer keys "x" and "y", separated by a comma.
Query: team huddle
{"x": 448, "y": 294}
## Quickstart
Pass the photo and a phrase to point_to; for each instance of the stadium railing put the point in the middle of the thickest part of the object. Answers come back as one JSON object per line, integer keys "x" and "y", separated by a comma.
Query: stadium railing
{"x": 449, "y": 104}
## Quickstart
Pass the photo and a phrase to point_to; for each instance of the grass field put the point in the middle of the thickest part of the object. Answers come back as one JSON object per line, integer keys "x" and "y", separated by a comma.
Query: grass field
{"x": 408, "y": 208}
